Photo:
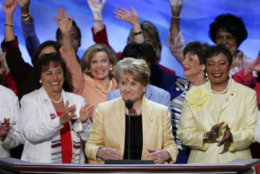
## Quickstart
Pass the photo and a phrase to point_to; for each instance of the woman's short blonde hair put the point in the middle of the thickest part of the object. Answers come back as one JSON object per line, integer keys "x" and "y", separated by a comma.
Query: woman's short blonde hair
{"x": 86, "y": 59}
{"x": 137, "y": 68}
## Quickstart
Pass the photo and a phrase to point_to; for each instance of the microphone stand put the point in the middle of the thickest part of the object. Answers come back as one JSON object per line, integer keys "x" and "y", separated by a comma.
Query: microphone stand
{"x": 129, "y": 105}
{"x": 129, "y": 119}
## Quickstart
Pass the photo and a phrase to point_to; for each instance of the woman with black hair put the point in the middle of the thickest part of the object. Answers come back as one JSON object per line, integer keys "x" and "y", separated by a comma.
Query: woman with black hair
{"x": 218, "y": 118}
{"x": 53, "y": 121}
{"x": 227, "y": 29}
{"x": 230, "y": 30}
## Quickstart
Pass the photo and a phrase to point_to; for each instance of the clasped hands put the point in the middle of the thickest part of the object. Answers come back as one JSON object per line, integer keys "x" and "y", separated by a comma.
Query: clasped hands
{"x": 85, "y": 112}
{"x": 158, "y": 156}
{"x": 213, "y": 134}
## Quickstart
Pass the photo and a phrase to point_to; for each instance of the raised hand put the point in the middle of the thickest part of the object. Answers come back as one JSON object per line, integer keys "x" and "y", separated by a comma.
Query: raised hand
{"x": 129, "y": 16}
{"x": 65, "y": 24}
{"x": 67, "y": 113}
{"x": 176, "y": 6}
{"x": 9, "y": 7}
{"x": 109, "y": 153}
{"x": 96, "y": 7}
{"x": 132, "y": 18}
{"x": 213, "y": 133}
{"x": 158, "y": 156}
{"x": 227, "y": 137}
{"x": 24, "y": 4}
{"x": 254, "y": 66}
{"x": 86, "y": 112}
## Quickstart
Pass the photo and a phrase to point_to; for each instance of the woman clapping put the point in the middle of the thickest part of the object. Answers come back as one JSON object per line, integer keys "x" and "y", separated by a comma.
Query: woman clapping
{"x": 53, "y": 121}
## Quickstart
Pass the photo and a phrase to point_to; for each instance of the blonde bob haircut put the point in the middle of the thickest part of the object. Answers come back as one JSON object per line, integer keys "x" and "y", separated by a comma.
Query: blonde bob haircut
{"x": 137, "y": 68}
{"x": 86, "y": 59}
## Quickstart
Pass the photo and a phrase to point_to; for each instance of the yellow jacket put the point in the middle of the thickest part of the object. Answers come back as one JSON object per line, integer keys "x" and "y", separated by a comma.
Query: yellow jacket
{"x": 109, "y": 129}
{"x": 239, "y": 110}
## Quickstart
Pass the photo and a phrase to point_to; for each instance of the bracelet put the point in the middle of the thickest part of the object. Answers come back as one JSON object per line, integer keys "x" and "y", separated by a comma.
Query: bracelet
{"x": 98, "y": 20}
{"x": 26, "y": 18}
{"x": 9, "y": 25}
{"x": 137, "y": 33}
{"x": 176, "y": 17}
{"x": 26, "y": 15}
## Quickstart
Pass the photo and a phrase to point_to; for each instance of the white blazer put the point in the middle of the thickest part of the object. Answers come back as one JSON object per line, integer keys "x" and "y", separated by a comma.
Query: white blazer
{"x": 9, "y": 108}
{"x": 39, "y": 128}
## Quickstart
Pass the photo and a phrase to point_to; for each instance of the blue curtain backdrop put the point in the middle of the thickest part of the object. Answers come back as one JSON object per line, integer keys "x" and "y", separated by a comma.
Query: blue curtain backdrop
{"x": 196, "y": 16}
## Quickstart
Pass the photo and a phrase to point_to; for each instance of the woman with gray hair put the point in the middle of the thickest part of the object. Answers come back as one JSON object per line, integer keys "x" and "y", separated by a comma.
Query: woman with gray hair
{"x": 114, "y": 120}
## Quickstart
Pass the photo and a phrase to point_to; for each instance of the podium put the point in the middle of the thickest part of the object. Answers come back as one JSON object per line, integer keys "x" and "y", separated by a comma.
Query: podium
{"x": 240, "y": 166}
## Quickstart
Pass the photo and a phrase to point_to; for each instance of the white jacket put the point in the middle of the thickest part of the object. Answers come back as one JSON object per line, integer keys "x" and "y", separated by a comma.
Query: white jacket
{"x": 39, "y": 128}
{"x": 9, "y": 108}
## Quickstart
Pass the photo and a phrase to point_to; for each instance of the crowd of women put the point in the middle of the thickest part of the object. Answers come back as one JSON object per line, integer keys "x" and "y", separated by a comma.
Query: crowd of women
{"x": 76, "y": 110}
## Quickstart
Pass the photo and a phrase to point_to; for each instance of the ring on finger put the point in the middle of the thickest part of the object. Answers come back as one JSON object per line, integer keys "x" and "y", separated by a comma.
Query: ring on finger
{"x": 69, "y": 113}
{"x": 59, "y": 19}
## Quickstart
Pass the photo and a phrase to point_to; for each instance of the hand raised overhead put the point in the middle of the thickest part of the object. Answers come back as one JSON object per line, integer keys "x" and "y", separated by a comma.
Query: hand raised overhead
{"x": 9, "y": 7}
{"x": 65, "y": 24}
{"x": 129, "y": 16}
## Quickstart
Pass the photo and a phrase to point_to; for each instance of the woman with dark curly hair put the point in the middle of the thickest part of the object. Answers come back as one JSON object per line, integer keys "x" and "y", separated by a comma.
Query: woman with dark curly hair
{"x": 230, "y": 31}
{"x": 226, "y": 29}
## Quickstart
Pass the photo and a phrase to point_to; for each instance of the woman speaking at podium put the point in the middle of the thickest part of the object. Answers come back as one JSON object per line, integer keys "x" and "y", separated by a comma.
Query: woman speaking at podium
{"x": 142, "y": 132}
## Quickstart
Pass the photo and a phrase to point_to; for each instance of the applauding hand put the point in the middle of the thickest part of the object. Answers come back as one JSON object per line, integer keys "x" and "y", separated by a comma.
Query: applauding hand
{"x": 67, "y": 113}
{"x": 5, "y": 128}
{"x": 86, "y": 112}
{"x": 213, "y": 133}
{"x": 227, "y": 137}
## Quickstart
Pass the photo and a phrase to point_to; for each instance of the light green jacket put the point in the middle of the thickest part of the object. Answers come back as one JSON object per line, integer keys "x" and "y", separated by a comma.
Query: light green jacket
{"x": 239, "y": 110}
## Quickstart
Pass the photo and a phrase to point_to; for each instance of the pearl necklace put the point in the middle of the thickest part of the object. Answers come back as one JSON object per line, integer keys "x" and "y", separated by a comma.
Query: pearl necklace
{"x": 109, "y": 89}
{"x": 221, "y": 92}
{"x": 57, "y": 101}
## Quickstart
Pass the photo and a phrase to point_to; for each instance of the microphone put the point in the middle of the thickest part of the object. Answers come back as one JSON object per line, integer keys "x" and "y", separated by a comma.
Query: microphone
{"x": 129, "y": 104}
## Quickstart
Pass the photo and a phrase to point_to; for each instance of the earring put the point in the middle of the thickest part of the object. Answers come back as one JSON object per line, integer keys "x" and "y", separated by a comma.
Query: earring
{"x": 144, "y": 91}
{"x": 110, "y": 69}
{"x": 40, "y": 81}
